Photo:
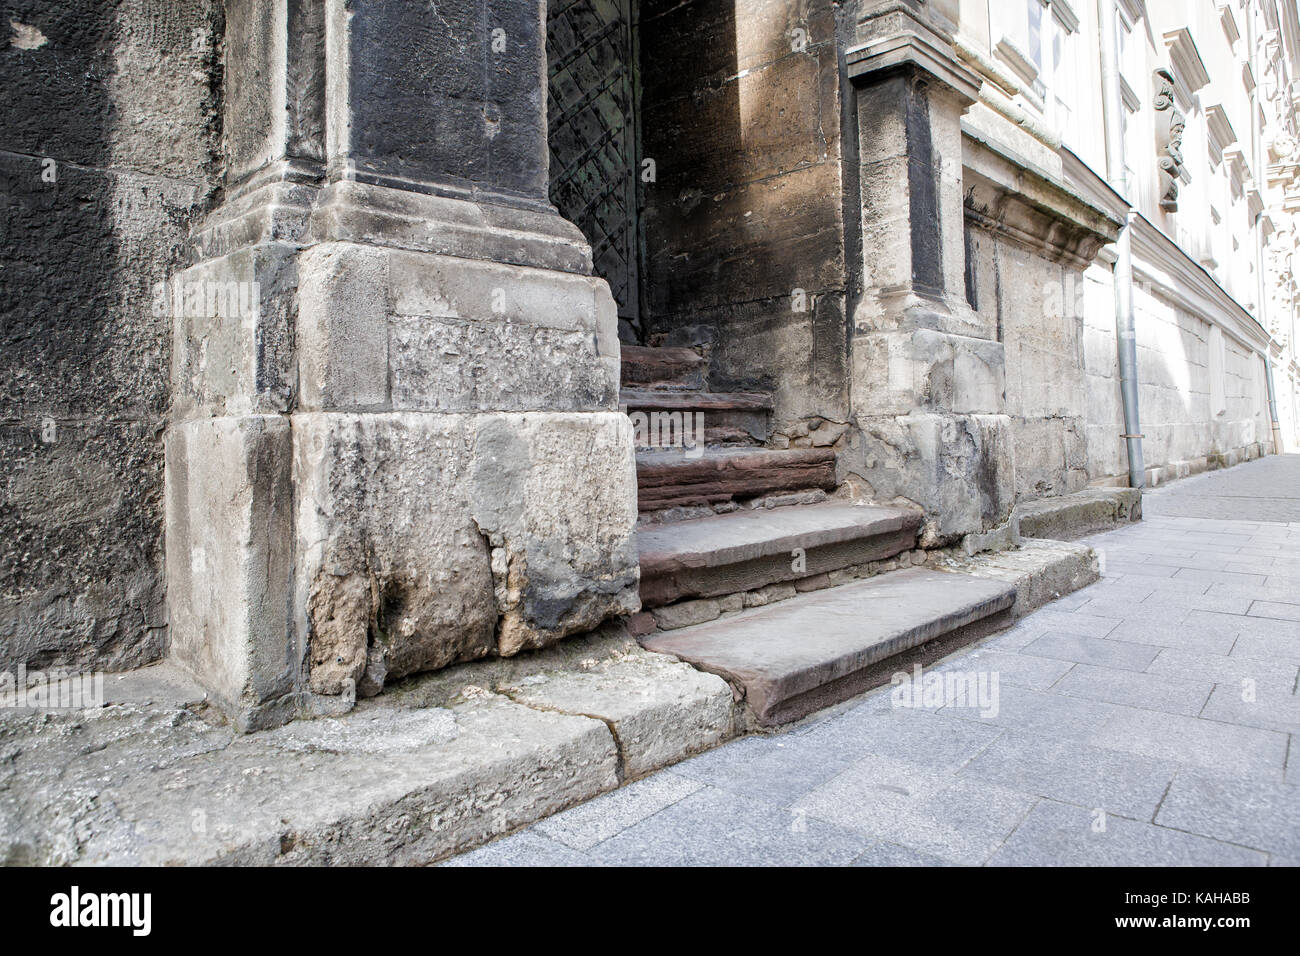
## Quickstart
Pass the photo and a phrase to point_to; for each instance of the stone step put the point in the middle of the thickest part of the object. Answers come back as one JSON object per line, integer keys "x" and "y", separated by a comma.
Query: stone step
{"x": 676, "y": 477}
{"x": 668, "y": 368}
{"x": 433, "y": 766}
{"x": 744, "y": 550}
{"x": 725, "y": 417}
{"x": 649, "y": 399}
{"x": 818, "y": 649}
{"x": 1074, "y": 516}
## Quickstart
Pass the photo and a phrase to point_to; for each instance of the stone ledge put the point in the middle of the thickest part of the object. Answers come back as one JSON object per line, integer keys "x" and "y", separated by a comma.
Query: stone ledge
{"x": 895, "y": 40}
{"x": 1041, "y": 570}
{"x": 659, "y": 710}
{"x": 135, "y": 784}
{"x": 1073, "y": 516}
{"x": 437, "y": 766}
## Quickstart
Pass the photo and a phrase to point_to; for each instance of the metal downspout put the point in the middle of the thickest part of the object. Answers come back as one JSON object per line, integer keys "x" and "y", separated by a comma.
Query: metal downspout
{"x": 1125, "y": 336}
{"x": 1272, "y": 407}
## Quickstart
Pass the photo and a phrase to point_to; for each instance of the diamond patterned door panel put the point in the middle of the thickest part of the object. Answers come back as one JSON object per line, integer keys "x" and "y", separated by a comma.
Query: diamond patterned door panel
{"x": 592, "y": 129}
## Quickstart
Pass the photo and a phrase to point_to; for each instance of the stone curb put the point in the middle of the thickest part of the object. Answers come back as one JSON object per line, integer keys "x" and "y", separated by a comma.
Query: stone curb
{"x": 1041, "y": 570}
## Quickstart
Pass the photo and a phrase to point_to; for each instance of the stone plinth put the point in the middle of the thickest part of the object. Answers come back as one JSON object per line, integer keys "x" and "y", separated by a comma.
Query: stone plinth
{"x": 396, "y": 443}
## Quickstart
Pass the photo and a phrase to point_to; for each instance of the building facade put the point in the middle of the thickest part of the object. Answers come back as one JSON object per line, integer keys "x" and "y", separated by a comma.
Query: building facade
{"x": 350, "y": 339}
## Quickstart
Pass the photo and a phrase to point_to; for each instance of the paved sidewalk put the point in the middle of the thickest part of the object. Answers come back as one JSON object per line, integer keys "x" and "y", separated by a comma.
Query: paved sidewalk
{"x": 1148, "y": 719}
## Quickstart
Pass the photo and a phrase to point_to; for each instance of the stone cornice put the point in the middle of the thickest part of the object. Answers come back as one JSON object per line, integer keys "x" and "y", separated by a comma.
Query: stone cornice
{"x": 1009, "y": 196}
{"x": 1132, "y": 102}
{"x": 1019, "y": 63}
{"x": 1238, "y": 168}
{"x": 1065, "y": 14}
{"x": 1229, "y": 22}
{"x": 1220, "y": 129}
{"x": 1084, "y": 180}
{"x": 1132, "y": 9}
{"x": 894, "y": 39}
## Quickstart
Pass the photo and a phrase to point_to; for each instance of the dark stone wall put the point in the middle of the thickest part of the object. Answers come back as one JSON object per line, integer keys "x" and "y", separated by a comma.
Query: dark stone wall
{"x": 742, "y": 114}
{"x": 108, "y": 142}
{"x": 435, "y": 102}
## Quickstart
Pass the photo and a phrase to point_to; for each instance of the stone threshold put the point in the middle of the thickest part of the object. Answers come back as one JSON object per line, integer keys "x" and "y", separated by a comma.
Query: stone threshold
{"x": 434, "y": 766}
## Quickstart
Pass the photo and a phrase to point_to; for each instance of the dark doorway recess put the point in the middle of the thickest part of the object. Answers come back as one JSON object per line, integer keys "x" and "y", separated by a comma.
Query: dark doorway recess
{"x": 591, "y": 114}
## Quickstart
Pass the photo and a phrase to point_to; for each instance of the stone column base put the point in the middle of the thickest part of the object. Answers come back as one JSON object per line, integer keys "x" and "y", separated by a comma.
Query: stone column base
{"x": 960, "y": 469}
{"x": 426, "y": 539}
{"x": 388, "y": 460}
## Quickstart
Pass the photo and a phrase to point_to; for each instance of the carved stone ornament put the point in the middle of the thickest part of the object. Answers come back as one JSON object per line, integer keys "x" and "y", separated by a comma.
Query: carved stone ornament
{"x": 1169, "y": 140}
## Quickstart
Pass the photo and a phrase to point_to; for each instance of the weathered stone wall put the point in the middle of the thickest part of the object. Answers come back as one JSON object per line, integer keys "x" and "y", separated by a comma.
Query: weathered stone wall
{"x": 1030, "y": 238}
{"x": 1034, "y": 303}
{"x": 741, "y": 113}
{"x": 108, "y": 136}
{"x": 1190, "y": 423}
{"x": 1058, "y": 326}
{"x": 1107, "y": 454}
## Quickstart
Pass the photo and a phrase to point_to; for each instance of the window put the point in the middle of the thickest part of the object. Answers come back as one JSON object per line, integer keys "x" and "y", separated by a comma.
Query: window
{"x": 1034, "y": 32}
{"x": 1129, "y": 49}
{"x": 1063, "y": 80}
{"x": 1130, "y": 177}
{"x": 1020, "y": 28}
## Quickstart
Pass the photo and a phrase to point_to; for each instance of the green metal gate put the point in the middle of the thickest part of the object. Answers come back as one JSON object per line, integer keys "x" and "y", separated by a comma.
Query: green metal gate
{"x": 592, "y": 98}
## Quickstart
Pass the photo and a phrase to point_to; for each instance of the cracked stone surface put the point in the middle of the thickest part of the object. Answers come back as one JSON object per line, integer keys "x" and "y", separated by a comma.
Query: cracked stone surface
{"x": 658, "y": 709}
{"x": 440, "y": 764}
{"x": 147, "y": 784}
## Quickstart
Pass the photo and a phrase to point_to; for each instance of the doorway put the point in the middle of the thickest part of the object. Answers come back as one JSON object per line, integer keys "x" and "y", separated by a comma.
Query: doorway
{"x": 591, "y": 115}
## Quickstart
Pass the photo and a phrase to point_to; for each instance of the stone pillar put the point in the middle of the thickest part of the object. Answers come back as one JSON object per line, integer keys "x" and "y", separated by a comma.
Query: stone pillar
{"x": 927, "y": 378}
{"x": 409, "y": 454}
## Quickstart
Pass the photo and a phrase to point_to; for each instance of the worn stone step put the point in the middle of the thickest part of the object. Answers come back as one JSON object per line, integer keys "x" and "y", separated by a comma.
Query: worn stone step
{"x": 723, "y": 417}
{"x": 1073, "y": 516}
{"x": 744, "y": 550}
{"x": 674, "y": 477}
{"x": 817, "y": 649}
{"x": 433, "y": 766}
{"x": 675, "y": 368}
{"x": 649, "y": 399}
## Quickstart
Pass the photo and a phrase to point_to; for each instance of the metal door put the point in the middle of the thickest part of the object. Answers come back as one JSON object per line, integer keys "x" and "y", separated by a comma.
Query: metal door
{"x": 593, "y": 142}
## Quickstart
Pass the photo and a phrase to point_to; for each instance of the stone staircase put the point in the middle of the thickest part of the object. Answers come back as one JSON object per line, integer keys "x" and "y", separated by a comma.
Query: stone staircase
{"x": 665, "y": 389}
{"x": 796, "y": 605}
{"x": 675, "y": 478}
